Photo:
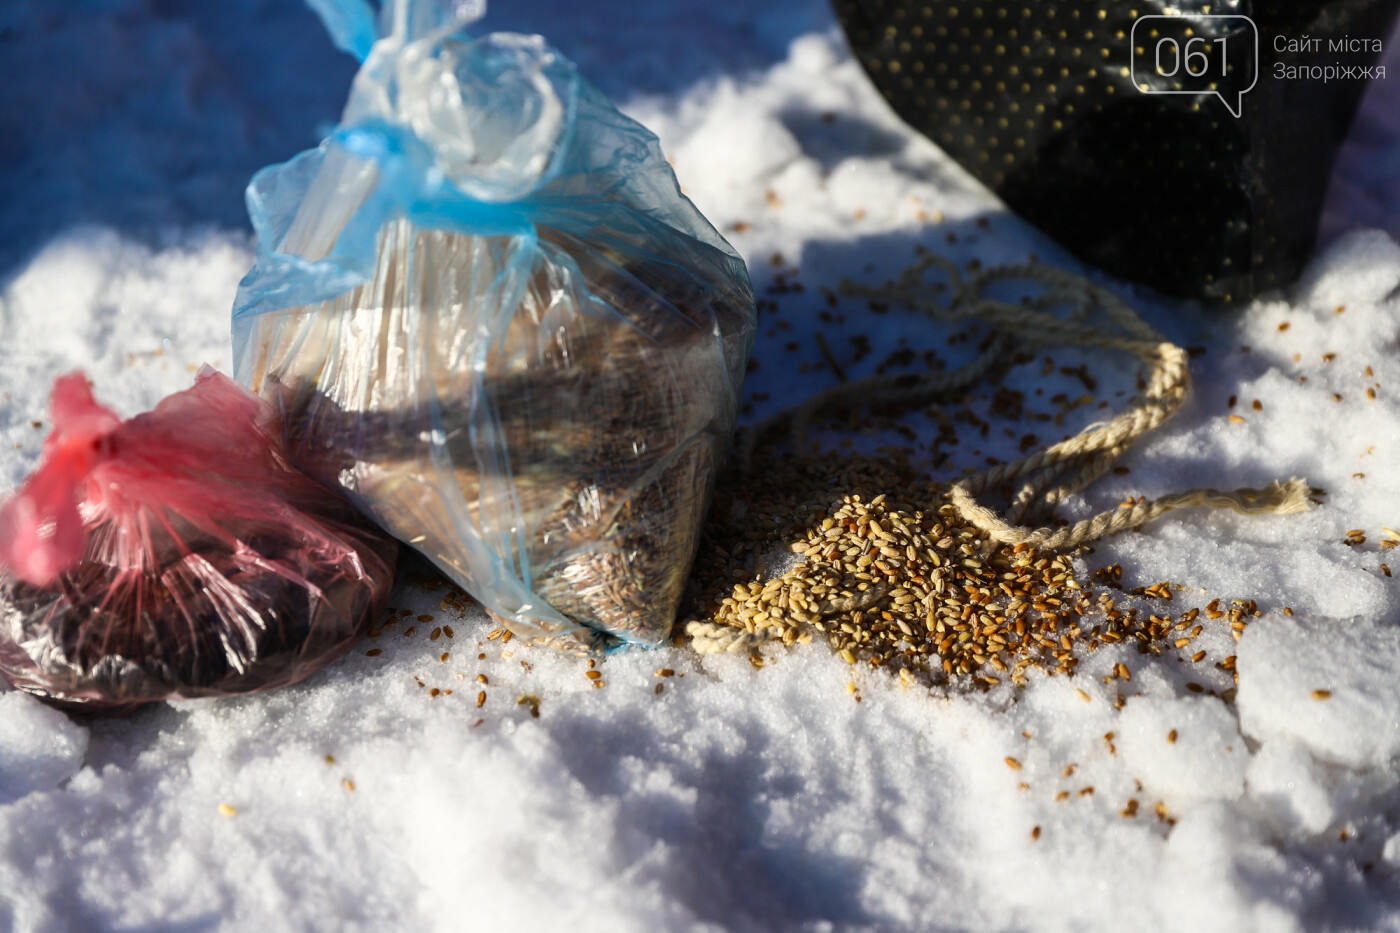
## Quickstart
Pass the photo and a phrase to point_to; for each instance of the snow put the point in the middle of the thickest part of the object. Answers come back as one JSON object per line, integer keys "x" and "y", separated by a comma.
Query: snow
{"x": 40, "y": 746}
{"x": 1187, "y": 751}
{"x": 1352, "y": 661}
{"x": 735, "y": 799}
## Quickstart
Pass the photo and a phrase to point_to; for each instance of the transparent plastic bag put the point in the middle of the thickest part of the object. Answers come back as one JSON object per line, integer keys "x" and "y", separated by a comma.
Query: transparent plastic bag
{"x": 489, "y": 316}
{"x": 178, "y": 554}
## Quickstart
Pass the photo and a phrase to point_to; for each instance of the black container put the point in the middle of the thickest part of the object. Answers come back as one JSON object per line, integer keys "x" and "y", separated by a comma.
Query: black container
{"x": 1041, "y": 101}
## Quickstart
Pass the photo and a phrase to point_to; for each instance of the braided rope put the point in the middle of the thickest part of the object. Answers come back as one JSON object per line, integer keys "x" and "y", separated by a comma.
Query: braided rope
{"x": 1053, "y": 473}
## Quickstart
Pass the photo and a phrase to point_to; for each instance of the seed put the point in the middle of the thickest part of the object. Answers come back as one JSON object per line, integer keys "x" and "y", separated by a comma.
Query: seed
{"x": 480, "y": 699}
{"x": 482, "y": 679}
{"x": 226, "y": 810}
{"x": 1321, "y": 694}
{"x": 425, "y": 618}
{"x": 1171, "y": 737}
{"x": 1013, "y": 764}
{"x": 374, "y": 652}
{"x": 1082, "y": 695}
{"x": 348, "y": 784}
{"x": 1035, "y": 833}
{"x": 886, "y": 583}
{"x": 592, "y": 675}
{"x": 1198, "y": 657}
{"x": 665, "y": 672}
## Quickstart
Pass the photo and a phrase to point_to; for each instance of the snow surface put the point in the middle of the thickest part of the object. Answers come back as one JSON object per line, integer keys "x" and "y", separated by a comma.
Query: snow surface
{"x": 737, "y": 799}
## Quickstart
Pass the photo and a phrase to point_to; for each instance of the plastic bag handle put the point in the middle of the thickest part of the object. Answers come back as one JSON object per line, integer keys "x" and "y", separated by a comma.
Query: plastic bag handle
{"x": 353, "y": 29}
{"x": 41, "y": 530}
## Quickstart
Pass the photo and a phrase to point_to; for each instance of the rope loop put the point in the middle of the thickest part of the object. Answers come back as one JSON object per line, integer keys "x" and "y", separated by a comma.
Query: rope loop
{"x": 1091, "y": 316}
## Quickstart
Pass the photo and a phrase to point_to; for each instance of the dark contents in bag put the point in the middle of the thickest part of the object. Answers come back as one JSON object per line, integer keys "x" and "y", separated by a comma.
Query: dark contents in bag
{"x": 245, "y": 576}
{"x": 1040, "y": 101}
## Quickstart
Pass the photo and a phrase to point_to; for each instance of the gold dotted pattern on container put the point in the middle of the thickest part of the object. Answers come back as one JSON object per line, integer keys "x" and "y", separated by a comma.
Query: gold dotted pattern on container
{"x": 1050, "y": 80}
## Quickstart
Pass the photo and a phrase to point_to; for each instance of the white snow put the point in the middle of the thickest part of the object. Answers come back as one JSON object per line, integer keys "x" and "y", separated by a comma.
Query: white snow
{"x": 736, "y": 799}
{"x": 1187, "y": 750}
{"x": 1327, "y": 686}
{"x": 40, "y": 747}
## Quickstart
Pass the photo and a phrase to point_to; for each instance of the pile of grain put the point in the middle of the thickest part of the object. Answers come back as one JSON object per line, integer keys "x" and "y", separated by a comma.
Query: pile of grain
{"x": 890, "y": 578}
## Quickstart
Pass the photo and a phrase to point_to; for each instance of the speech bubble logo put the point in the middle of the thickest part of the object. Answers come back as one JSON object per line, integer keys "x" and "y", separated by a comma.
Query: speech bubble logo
{"x": 1189, "y": 54}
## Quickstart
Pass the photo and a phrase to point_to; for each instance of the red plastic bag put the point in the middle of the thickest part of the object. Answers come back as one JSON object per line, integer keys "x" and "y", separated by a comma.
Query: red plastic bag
{"x": 177, "y": 555}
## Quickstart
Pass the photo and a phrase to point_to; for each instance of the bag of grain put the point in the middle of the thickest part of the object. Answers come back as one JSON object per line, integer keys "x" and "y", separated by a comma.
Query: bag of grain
{"x": 491, "y": 319}
{"x": 177, "y": 555}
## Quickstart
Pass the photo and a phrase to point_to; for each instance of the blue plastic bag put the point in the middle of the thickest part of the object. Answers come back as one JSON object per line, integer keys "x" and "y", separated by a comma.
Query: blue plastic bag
{"x": 488, "y": 315}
